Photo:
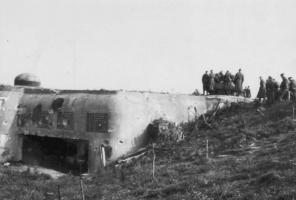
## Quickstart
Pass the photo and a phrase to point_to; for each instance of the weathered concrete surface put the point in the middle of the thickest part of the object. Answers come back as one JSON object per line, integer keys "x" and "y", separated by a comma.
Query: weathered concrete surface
{"x": 136, "y": 110}
{"x": 9, "y": 100}
{"x": 129, "y": 114}
{"x": 79, "y": 104}
{"x": 223, "y": 100}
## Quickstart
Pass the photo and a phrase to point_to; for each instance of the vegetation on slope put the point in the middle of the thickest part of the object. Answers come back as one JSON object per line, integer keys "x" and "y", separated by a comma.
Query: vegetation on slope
{"x": 251, "y": 155}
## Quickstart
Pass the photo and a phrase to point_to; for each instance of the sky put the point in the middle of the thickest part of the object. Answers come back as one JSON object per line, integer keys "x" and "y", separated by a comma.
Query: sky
{"x": 157, "y": 45}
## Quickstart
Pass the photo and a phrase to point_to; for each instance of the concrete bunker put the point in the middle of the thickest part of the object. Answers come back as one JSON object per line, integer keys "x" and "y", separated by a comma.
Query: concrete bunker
{"x": 61, "y": 154}
{"x": 85, "y": 130}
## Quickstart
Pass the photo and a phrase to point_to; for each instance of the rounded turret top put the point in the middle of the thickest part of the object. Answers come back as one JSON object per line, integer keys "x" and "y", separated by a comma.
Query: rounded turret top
{"x": 27, "y": 79}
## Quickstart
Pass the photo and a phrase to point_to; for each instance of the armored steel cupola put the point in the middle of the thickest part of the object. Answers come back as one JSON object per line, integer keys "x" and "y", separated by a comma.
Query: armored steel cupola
{"x": 27, "y": 79}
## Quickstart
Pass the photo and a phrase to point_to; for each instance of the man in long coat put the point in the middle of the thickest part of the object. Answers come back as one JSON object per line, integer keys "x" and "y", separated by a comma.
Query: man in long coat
{"x": 284, "y": 92}
{"x": 227, "y": 83}
{"x": 262, "y": 90}
{"x": 238, "y": 80}
{"x": 248, "y": 92}
{"x": 220, "y": 76}
{"x": 205, "y": 83}
{"x": 275, "y": 90}
{"x": 212, "y": 82}
{"x": 292, "y": 88}
{"x": 269, "y": 87}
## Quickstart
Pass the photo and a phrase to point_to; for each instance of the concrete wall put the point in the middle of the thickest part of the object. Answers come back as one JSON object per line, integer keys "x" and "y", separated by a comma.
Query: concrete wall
{"x": 9, "y": 142}
{"x": 136, "y": 110}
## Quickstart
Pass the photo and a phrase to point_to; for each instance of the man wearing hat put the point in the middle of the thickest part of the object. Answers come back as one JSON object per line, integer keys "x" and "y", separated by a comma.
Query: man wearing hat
{"x": 284, "y": 88}
{"x": 292, "y": 88}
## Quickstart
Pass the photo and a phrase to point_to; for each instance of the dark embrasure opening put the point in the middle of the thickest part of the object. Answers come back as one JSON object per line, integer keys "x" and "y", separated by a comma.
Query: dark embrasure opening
{"x": 64, "y": 155}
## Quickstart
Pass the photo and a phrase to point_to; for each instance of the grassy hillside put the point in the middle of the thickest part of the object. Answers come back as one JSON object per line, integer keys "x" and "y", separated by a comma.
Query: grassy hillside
{"x": 251, "y": 155}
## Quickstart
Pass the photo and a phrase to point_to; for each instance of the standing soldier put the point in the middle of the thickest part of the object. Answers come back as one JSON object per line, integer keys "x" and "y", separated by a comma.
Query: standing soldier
{"x": 292, "y": 88}
{"x": 262, "y": 90}
{"x": 220, "y": 76}
{"x": 284, "y": 92}
{"x": 275, "y": 90}
{"x": 238, "y": 80}
{"x": 227, "y": 83}
{"x": 269, "y": 86}
{"x": 205, "y": 83}
{"x": 247, "y": 92}
{"x": 211, "y": 82}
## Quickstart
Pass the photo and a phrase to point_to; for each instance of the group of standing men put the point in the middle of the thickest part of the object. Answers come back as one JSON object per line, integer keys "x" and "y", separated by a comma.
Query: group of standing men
{"x": 220, "y": 83}
{"x": 273, "y": 91}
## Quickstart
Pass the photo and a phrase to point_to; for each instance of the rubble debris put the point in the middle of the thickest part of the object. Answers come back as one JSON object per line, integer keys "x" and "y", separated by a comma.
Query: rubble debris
{"x": 130, "y": 157}
{"x": 166, "y": 130}
{"x": 37, "y": 170}
{"x": 261, "y": 110}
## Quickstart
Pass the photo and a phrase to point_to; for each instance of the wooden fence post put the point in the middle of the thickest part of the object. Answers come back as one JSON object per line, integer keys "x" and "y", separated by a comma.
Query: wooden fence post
{"x": 153, "y": 163}
{"x": 59, "y": 192}
{"x": 81, "y": 189}
{"x": 207, "y": 149}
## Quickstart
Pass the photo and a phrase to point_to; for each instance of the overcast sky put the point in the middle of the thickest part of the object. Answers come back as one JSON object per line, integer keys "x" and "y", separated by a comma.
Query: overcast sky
{"x": 158, "y": 45}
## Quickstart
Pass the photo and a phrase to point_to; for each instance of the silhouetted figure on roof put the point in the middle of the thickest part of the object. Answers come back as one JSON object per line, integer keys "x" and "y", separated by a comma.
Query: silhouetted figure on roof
{"x": 284, "y": 88}
{"x": 238, "y": 80}
{"x": 292, "y": 88}
{"x": 227, "y": 83}
{"x": 205, "y": 83}
{"x": 269, "y": 90}
{"x": 212, "y": 82}
{"x": 262, "y": 90}
{"x": 247, "y": 92}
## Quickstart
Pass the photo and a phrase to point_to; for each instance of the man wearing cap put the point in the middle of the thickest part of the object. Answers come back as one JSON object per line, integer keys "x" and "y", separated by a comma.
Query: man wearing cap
{"x": 238, "y": 80}
{"x": 284, "y": 88}
{"x": 205, "y": 83}
{"x": 292, "y": 88}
